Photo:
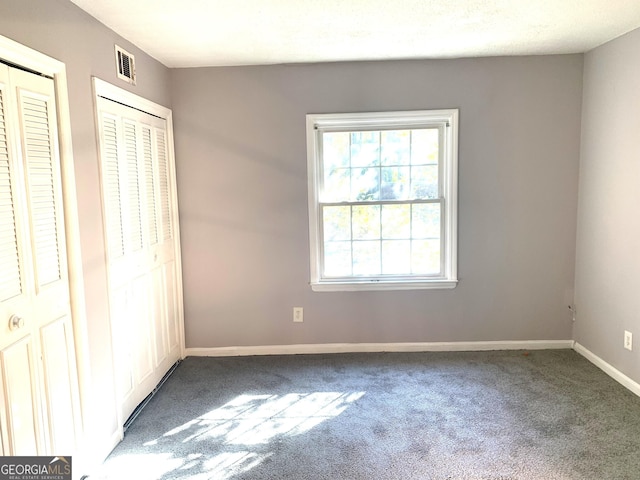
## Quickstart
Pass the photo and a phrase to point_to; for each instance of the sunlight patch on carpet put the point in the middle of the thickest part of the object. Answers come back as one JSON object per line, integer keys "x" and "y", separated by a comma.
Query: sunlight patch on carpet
{"x": 243, "y": 428}
{"x": 257, "y": 419}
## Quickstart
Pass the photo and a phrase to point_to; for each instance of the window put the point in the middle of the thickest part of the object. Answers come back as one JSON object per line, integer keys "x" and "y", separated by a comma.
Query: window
{"x": 382, "y": 200}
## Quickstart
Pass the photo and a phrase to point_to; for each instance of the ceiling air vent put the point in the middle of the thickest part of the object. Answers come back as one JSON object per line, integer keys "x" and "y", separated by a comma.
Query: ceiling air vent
{"x": 126, "y": 65}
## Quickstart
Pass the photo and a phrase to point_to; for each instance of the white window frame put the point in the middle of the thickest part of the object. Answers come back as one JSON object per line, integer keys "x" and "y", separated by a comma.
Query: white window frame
{"x": 447, "y": 120}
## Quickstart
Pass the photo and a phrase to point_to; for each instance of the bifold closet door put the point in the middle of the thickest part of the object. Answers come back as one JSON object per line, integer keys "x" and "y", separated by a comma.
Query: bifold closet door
{"x": 39, "y": 402}
{"x": 137, "y": 198}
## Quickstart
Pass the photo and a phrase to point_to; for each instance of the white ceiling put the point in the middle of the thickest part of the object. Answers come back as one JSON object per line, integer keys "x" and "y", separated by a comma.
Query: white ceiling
{"x": 195, "y": 33}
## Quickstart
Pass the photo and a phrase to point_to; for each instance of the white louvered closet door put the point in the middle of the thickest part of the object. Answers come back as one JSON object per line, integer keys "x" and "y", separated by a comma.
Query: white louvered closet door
{"x": 136, "y": 185}
{"x": 39, "y": 410}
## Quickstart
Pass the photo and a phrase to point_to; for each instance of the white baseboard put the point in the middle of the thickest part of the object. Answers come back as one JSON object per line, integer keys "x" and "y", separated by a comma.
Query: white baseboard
{"x": 378, "y": 347}
{"x": 607, "y": 368}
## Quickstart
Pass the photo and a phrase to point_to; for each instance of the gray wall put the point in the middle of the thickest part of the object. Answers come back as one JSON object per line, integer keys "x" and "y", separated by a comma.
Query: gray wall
{"x": 61, "y": 30}
{"x": 242, "y": 184}
{"x": 608, "y": 260}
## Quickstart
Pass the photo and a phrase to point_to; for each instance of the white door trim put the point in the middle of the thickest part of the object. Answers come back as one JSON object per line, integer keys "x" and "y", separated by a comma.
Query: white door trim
{"x": 26, "y": 57}
{"x": 117, "y": 94}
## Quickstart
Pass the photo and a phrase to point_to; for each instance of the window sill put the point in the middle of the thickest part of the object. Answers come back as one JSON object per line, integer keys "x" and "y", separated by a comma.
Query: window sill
{"x": 328, "y": 286}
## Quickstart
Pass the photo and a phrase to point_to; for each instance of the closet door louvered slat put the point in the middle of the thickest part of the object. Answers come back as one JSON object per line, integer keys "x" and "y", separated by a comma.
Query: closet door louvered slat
{"x": 111, "y": 186}
{"x": 39, "y": 161}
{"x": 151, "y": 187}
{"x": 132, "y": 180}
{"x": 165, "y": 194}
{"x": 10, "y": 278}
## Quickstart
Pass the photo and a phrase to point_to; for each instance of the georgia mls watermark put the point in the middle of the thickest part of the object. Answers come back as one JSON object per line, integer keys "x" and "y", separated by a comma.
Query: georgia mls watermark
{"x": 35, "y": 468}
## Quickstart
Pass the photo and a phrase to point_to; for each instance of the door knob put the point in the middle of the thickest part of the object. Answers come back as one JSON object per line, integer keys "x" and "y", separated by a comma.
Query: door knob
{"x": 16, "y": 322}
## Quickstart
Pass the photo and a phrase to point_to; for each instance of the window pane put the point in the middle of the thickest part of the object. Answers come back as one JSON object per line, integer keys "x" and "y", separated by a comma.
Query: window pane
{"x": 335, "y": 149}
{"x": 380, "y": 182}
{"x": 365, "y": 149}
{"x": 366, "y": 222}
{"x": 425, "y": 256}
{"x": 366, "y": 258}
{"x": 365, "y": 184}
{"x": 396, "y": 256}
{"x": 337, "y": 259}
{"x": 425, "y": 220}
{"x": 424, "y": 146}
{"x": 395, "y": 183}
{"x": 424, "y": 182}
{"x": 337, "y": 184}
{"x": 396, "y": 147}
{"x": 337, "y": 223}
{"x": 396, "y": 221}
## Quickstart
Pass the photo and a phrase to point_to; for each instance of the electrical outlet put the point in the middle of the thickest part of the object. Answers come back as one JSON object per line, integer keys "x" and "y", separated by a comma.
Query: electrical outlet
{"x": 298, "y": 314}
{"x": 628, "y": 340}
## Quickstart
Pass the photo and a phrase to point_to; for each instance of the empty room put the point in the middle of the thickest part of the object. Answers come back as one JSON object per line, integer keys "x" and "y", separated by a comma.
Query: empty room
{"x": 320, "y": 239}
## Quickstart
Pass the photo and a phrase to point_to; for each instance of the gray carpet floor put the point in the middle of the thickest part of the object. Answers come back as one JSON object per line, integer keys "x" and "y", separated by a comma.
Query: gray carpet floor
{"x": 463, "y": 415}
